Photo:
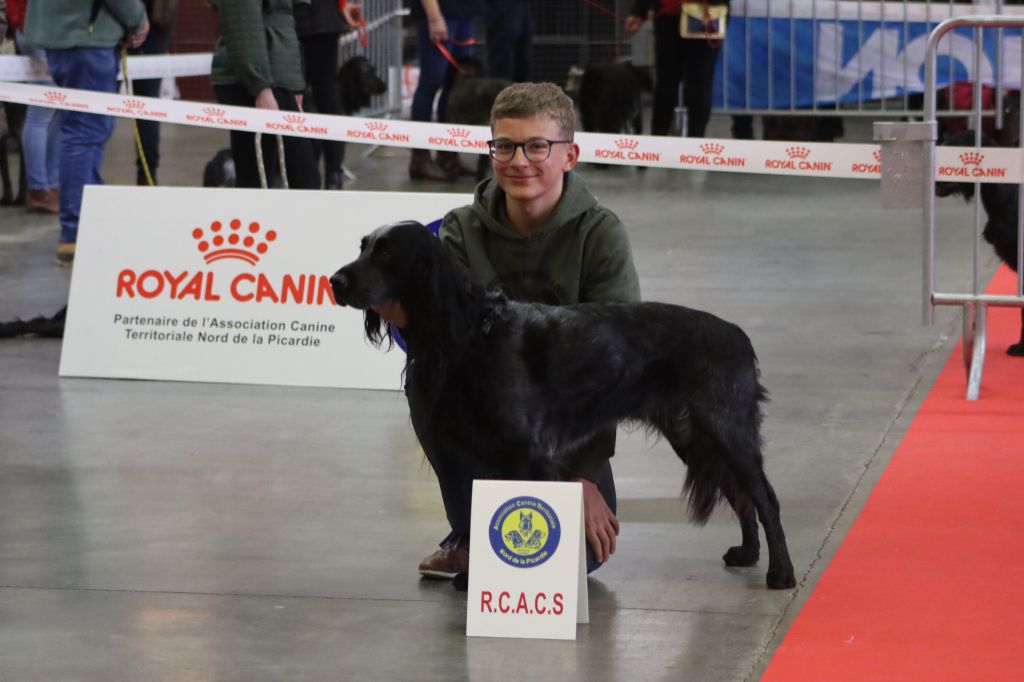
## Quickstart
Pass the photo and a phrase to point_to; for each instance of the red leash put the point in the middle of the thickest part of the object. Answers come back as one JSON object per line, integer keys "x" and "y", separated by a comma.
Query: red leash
{"x": 361, "y": 30}
{"x": 448, "y": 55}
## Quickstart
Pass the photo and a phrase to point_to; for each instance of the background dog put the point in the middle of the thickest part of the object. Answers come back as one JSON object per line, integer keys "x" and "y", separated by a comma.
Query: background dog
{"x": 611, "y": 97}
{"x": 1000, "y": 204}
{"x": 508, "y": 388}
{"x": 12, "y": 120}
{"x": 471, "y": 94}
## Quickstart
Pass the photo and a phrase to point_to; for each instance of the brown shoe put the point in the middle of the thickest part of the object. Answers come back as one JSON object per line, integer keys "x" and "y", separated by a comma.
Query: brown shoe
{"x": 450, "y": 164}
{"x": 422, "y": 167}
{"x": 66, "y": 254}
{"x": 447, "y": 562}
{"x": 41, "y": 201}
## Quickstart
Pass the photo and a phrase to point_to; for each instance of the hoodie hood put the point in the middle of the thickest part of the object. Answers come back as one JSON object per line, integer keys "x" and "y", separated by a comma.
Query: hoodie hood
{"x": 489, "y": 207}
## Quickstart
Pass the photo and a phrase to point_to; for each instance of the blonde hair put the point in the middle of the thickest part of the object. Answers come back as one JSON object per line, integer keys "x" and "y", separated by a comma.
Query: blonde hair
{"x": 524, "y": 100}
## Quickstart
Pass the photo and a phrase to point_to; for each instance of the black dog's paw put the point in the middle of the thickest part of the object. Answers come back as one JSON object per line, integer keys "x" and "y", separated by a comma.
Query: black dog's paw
{"x": 1016, "y": 350}
{"x": 741, "y": 556}
{"x": 781, "y": 580}
{"x": 461, "y": 582}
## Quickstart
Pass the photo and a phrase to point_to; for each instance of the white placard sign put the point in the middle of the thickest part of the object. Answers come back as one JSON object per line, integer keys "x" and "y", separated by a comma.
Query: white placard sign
{"x": 228, "y": 285}
{"x": 527, "y": 570}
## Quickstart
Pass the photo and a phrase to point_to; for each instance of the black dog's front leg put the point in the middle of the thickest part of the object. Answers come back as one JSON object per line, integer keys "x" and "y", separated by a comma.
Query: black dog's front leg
{"x": 1017, "y": 349}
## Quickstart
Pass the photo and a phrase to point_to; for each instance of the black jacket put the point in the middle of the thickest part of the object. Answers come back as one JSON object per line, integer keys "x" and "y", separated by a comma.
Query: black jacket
{"x": 322, "y": 16}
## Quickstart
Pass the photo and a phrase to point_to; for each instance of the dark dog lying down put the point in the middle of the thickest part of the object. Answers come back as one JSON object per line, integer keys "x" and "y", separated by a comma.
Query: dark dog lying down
{"x": 51, "y": 327}
{"x": 512, "y": 385}
{"x": 1000, "y": 203}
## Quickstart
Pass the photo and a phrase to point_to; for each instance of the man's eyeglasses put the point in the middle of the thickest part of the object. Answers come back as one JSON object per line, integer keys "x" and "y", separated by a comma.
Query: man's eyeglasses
{"x": 535, "y": 150}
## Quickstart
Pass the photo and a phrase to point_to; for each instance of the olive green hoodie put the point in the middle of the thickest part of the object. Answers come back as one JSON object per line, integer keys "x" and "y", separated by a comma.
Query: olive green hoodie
{"x": 580, "y": 254}
{"x": 258, "y": 47}
{"x": 63, "y": 24}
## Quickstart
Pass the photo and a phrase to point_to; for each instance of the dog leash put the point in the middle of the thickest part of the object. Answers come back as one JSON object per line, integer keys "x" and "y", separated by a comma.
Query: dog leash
{"x": 135, "y": 122}
{"x": 280, "y": 160}
{"x": 448, "y": 55}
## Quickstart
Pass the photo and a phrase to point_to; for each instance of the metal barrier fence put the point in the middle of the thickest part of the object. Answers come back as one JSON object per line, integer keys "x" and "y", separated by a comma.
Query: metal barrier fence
{"x": 974, "y": 303}
{"x": 383, "y": 47}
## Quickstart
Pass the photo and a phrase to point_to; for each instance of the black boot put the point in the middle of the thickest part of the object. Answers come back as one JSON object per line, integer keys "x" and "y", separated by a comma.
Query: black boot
{"x": 333, "y": 180}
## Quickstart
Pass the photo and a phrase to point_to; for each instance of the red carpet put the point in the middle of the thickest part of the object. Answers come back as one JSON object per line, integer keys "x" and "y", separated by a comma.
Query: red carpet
{"x": 929, "y": 583}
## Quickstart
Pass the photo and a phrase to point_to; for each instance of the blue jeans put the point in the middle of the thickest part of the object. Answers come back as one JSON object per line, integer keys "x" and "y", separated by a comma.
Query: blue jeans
{"x": 434, "y": 65}
{"x": 40, "y": 135}
{"x": 83, "y": 136}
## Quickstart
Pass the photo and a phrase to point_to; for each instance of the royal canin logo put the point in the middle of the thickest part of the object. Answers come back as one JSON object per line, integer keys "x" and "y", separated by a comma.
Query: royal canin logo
{"x": 972, "y": 158}
{"x": 217, "y": 116}
{"x": 376, "y": 126}
{"x": 861, "y": 168}
{"x": 295, "y": 123}
{"x": 136, "y": 108}
{"x": 294, "y": 118}
{"x": 215, "y": 112}
{"x": 377, "y": 131}
{"x": 457, "y": 138}
{"x": 133, "y": 104}
{"x": 221, "y": 244}
{"x": 626, "y": 151}
{"x": 234, "y": 240}
{"x": 712, "y": 154}
{"x": 798, "y": 161}
{"x": 627, "y": 143}
{"x": 970, "y": 167}
{"x": 55, "y": 98}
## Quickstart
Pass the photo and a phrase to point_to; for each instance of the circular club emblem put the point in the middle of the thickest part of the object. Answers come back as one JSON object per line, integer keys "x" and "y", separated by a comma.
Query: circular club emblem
{"x": 524, "y": 532}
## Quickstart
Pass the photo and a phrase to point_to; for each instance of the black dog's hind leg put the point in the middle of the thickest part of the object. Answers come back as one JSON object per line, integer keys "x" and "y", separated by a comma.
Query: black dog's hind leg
{"x": 1017, "y": 349}
{"x": 756, "y": 485}
{"x": 749, "y": 552}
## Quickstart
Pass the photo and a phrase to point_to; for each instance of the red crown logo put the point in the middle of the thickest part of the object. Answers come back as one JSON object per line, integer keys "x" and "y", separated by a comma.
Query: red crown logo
{"x": 458, "y": 132}
{"x": 214, "y": 111}
{"x": 133, "y": 103}
{"x": 712, "y": 148}
{"x": 798, "y": 152}
{"x": 626, "y": 143}
{"x": 376, "y": 125}
{"x": 295, "y": 118}
{"x": 972, "y": 158}
{"x": 230, "y": 243}
{"x": 877, "y": 154}
{"x": 54, "y": 96}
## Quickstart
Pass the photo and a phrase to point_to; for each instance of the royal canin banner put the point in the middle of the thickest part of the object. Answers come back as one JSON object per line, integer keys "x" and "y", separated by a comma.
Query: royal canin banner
{"x": 228, "y": 285}
{"x": 828, "y": 160}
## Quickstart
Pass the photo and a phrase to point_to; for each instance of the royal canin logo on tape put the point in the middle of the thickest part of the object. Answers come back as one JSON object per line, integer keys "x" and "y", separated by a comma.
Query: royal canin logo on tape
{"x": 136, "y": 108}
{"x": 238, "y": 241}
{"x": 862, "y": 168}
{"x": 626, "y": 150}
{"x": 216, "y": 116}
{"x": 712, "y": 154}
{"x": 377, "y": 131}
{"x": 799, "y": 159}
{"x": 55, "y": 98}
{"x": 457, "y": 138}
{"x": 295, "y": 123}
{"x": 972, "y": 166}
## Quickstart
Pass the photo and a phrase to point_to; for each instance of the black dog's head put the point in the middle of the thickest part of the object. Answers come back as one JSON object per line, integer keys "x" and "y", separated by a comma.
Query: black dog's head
{"x": 357, "y": 83}
{"x": 964, "y": 138}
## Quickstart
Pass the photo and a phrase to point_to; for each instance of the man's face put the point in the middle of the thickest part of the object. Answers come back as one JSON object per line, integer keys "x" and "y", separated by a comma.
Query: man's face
{"x": 525, "y": 180}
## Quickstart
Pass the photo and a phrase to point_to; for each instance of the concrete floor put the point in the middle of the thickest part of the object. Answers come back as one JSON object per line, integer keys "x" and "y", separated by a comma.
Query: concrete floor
{"x": 171, "y": 531}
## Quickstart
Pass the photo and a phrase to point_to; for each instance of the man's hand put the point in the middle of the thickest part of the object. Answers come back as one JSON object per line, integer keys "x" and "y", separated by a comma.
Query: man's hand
{"x": 266, "y": 100}
{"x": 393, "y": 312}
{"x": 633, "y": 24}
{"x": 599, "y": 522}
{"x": 138, "y": 37}
{"x": 352, "y": 13}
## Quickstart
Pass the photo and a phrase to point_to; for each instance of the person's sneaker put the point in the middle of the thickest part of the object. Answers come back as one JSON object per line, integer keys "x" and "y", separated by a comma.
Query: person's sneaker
{"x": 447, "y": 562}
{"x": 66, "y": 254}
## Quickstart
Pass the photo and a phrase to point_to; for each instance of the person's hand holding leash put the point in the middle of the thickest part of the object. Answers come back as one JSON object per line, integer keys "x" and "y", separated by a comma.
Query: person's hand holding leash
{"x": 266, "y": 100}
{"x": 600, "y": 524}
{"x": 633, "y": 24}
{"x": 138, "y": 37}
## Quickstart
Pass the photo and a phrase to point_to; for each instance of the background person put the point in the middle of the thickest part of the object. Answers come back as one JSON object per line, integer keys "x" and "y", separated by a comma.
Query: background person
{"x": 163, "y": 14}
{"x": 81, "y": 42}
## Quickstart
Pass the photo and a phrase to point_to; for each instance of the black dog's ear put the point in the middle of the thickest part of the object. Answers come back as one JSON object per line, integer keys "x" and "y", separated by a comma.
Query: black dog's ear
{"x": 377, "y": 329}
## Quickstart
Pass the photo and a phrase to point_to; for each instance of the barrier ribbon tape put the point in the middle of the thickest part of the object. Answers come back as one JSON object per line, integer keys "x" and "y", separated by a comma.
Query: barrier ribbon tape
{"x": 808, "y": 159}
{"x": 18, "y": 68}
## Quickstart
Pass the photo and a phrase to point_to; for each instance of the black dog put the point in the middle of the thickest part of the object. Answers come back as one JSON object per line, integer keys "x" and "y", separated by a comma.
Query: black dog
{"x": 358, "y": 82}
{"x": 1000, "y": 203}
{"x": 610, "y": 97}
{"x": 220, "y": 170}
{"x": 49, "y": 327}
{"x": 512, "y": 385}
{"x": 470, "y": 95}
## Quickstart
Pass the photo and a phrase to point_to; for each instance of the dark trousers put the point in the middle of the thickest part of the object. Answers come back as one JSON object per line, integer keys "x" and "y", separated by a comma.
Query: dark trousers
{"x": 681, "y": 60}
{"x": 434, "y": 66}
{"x": 157, "y": 42}
{"x": 509, "y": 39}
{"x": 320, "y": 57}
{"x": 300, "y": 161}
{"x": 456, "y": 484}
